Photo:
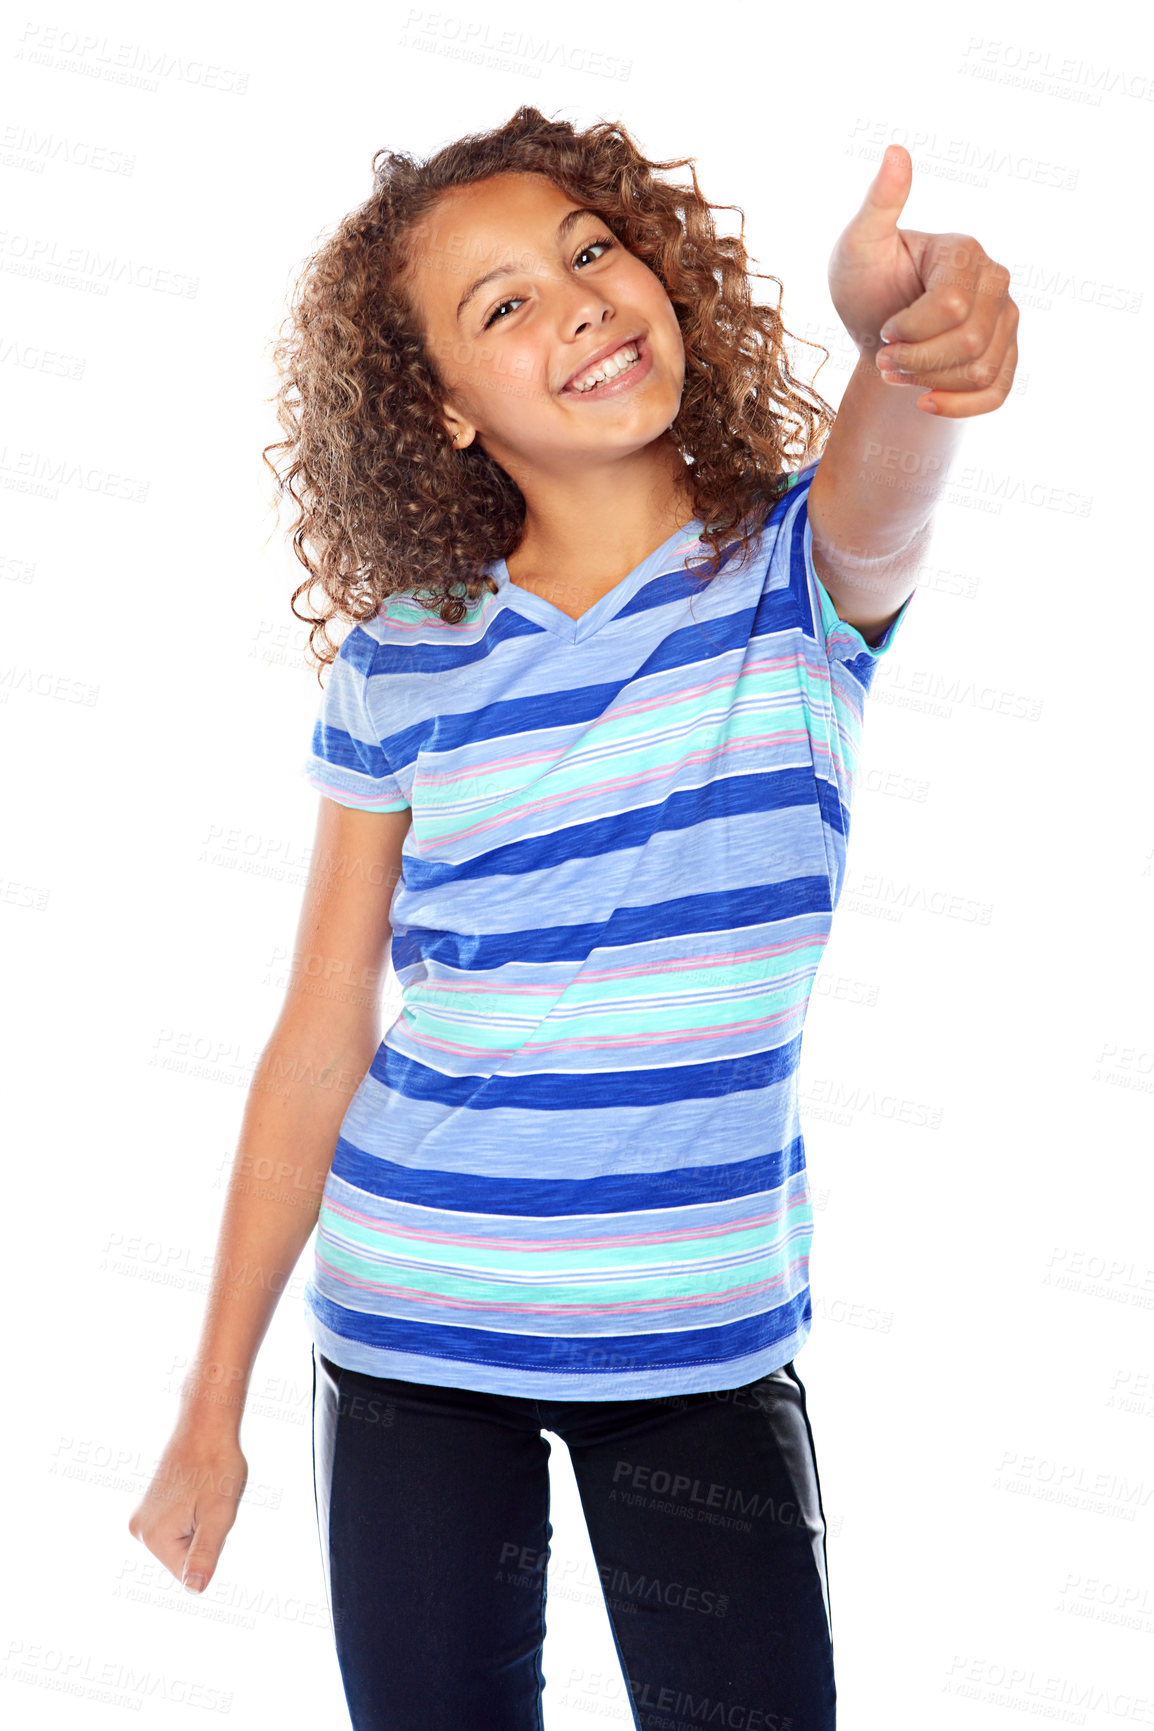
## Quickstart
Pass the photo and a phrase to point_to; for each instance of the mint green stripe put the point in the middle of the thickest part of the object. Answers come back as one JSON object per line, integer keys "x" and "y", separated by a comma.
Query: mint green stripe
{"x": 708, "y": 717}
{"x": 566, "y": 1263}
{"x": 684, "y": 1281}
{"x": 755, "y": 997}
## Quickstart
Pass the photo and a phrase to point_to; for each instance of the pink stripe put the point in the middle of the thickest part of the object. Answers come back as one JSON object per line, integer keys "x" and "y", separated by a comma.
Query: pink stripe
{"x": 642, "y": 706}
{"x": 608, "y": 1043}
{"x": 634, "y": 1307}
{"x": 639, "y": 970}
{"x": 477, "y": 1241}
{"x": 361, "y": 800}
{"x": 545, "y": 807}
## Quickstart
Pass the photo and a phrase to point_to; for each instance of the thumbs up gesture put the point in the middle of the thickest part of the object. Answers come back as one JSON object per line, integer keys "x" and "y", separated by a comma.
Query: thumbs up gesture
{"x": 935, "y": 309}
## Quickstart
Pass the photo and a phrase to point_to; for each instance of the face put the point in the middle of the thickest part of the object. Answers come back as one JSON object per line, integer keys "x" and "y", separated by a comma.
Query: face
{"x": 559, "y": 289}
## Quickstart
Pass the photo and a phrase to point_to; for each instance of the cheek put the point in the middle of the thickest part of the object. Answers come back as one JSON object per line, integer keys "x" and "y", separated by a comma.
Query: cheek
{"x": 508, "y": 377}
{"x": 521, "y": 370}
{"x": 663, "y": 318}
{"x": 483, "y": 370}
{"x": 672, "y": 341}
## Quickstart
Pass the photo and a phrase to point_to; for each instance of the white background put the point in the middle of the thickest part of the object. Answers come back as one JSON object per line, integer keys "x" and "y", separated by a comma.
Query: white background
{"x": 979, "y": 1054}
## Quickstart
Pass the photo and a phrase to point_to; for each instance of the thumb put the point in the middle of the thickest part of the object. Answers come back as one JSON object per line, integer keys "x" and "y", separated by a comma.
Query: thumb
{"x": 204, "y": 1554}
{"x": 885, "y": 196}
{"x": 199, "y": 1566}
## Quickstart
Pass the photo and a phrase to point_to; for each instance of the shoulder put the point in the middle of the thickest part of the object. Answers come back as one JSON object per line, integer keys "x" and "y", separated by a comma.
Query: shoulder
{"x": 397, "y": 620}
{"x": 785, "y": 496}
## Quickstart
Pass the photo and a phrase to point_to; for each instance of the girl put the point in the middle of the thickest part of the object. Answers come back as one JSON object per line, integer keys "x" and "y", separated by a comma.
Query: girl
{"x": 617, "y": 587}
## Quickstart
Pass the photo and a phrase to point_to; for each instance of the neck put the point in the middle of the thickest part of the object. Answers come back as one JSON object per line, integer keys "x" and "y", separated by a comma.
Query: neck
{"x": 602, "y": 522}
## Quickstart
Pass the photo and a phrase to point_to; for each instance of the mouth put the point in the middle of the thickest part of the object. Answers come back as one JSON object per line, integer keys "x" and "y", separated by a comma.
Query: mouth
{"x": 594, "y": 378}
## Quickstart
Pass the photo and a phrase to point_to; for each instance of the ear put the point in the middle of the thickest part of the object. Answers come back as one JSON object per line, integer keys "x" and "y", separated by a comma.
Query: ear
{"x": 460, "y": 433}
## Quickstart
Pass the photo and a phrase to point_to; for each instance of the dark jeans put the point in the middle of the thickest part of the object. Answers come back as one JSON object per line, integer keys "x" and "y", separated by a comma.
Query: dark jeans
{"x": 705, "y": 1516}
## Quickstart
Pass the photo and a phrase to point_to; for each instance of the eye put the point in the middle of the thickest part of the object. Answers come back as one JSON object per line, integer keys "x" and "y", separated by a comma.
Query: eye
{"x": 605, "y": 242}
{"x": 589, "y": 246}
{"x": 492, "y": 316}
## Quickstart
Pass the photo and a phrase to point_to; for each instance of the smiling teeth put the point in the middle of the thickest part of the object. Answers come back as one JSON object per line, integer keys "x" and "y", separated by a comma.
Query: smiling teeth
{"x": 620, "y": 362}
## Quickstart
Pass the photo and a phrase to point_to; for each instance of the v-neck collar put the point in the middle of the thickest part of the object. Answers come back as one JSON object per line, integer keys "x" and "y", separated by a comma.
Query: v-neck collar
{"x": 672, "y": 552}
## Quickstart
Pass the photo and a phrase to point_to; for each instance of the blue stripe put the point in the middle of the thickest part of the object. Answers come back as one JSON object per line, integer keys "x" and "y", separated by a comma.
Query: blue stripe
{"x": 625, "y": 1352}
{"x": 708, "y": 911}
{"x": 556, "y": 1091}
{"x": 612, "y": 1193}
{"x": 729, "y": 796}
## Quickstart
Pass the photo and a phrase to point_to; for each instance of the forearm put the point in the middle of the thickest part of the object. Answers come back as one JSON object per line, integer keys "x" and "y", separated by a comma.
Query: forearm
{"x": 881, "y": 473}
{"x": 292, "y": 1117}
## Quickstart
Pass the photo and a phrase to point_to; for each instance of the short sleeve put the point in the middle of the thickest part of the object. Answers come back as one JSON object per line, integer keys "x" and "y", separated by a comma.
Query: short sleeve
{"x": 842, "y": 641}
{"x": 347, "y": 760}
{"x": 836, "y": 667}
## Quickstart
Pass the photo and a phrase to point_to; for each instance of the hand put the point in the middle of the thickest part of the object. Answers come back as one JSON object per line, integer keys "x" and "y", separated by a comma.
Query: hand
{"x": 935, "y": 307}
{"x": 190, "y": 1506}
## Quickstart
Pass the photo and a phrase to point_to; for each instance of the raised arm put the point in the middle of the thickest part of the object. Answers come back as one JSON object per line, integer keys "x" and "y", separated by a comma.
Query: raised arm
{"x": 936, "y": 332}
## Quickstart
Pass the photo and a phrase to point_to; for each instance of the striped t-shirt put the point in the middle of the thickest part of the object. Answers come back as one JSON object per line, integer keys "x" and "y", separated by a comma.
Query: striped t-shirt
{"x": 575, "y": 1167}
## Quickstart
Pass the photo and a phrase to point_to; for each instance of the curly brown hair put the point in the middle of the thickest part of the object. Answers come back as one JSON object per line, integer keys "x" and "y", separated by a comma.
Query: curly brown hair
{"x": 385, "y": 504}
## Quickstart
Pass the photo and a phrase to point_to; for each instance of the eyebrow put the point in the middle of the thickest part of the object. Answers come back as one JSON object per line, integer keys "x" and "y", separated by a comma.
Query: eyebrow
{"x": 567, "y": 222}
